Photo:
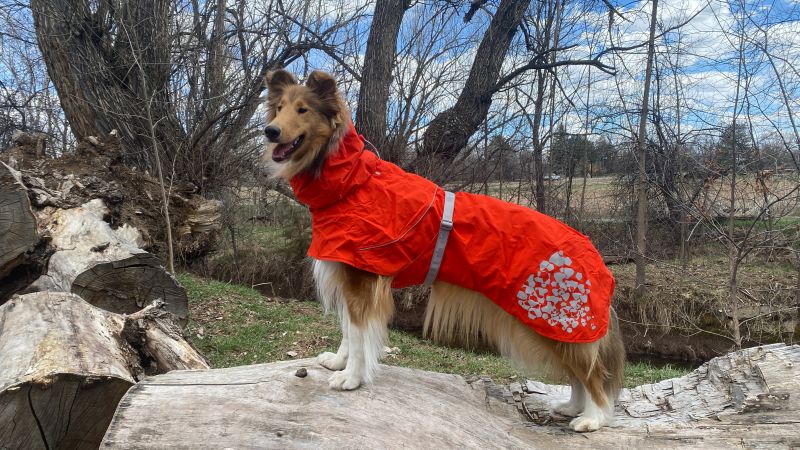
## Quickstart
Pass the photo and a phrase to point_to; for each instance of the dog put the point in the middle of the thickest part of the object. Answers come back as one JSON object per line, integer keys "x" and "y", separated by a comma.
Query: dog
{"x": 522, "y": 284}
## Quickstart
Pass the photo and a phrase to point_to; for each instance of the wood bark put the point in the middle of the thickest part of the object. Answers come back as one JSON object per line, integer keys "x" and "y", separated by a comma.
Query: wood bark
{"x": 66, "y": 365}
{"x": 112, "y": 60}
{"x": 106, "y": 267}
{"x": 547, "y": 36}
{"x": 735, "y": 247}
{"x": 745, "y": 398}
{"x": 17, "y": 223}
{"x": 379, "y": 62}
{"x": 448, "y": 133}
{"x": 538, "y": 143}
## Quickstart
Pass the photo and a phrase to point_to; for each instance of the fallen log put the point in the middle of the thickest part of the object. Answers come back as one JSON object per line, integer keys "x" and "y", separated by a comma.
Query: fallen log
{"x": 105, "y": 266}
{"x": 747, "y": 398}
{"x": 65, "y": 365}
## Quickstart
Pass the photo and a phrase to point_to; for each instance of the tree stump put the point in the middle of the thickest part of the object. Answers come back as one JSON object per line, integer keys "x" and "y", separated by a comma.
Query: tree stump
{"x": 66, "y": 364}
{"x": 17, "y": 222}
{"x": 104, "y": 266}
{"x": 748, "y": 398}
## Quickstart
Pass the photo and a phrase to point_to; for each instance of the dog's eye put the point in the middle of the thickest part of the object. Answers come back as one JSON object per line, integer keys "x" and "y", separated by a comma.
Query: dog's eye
{"x": 302, "y": 110}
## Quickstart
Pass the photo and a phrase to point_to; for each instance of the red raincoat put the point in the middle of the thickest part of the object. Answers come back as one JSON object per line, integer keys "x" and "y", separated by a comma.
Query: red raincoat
{"x": 373, "y": 215}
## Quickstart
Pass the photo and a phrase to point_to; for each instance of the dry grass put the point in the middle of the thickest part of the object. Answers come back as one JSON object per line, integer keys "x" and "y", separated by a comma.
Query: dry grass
{"x": 697, "y": 297}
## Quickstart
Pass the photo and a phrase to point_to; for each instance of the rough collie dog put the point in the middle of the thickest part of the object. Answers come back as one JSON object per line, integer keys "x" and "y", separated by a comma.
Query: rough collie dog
{"x": 501, "y": 275}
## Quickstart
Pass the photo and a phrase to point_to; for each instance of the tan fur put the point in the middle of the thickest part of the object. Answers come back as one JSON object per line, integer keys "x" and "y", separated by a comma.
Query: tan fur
{"x": 368, "y": 296}
{"x": 454, "y": 315}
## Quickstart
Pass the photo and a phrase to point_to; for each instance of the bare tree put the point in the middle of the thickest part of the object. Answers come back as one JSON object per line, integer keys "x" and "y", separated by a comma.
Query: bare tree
{"x": 449, "y": 132}
{"x": 641, "y": 142}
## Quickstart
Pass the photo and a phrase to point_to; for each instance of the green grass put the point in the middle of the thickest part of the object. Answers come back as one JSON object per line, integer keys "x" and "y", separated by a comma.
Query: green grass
{"x": 235, "y": 325}
{"x": 637, "y": 373}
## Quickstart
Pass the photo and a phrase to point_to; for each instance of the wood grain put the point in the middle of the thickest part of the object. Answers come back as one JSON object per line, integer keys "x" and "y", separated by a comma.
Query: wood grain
{"x": 105, "y": 266}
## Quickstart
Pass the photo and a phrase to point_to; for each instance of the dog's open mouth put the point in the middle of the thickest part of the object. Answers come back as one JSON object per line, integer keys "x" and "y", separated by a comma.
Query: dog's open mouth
{"x": 281, "y": 152}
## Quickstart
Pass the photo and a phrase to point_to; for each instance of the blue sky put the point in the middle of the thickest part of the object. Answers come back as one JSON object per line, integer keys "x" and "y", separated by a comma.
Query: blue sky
{"x": 704, "y": 81}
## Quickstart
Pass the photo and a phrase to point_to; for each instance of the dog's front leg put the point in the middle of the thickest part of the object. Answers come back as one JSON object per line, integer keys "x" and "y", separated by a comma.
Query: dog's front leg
{"x": 338, "y": 360}
{"x": 365, "y": 305}
{"x": 354, "y": 372}
{"x": 329, "y": 277}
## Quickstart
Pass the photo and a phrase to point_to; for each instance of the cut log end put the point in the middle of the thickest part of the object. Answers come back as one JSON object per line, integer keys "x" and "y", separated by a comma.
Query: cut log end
{"x": 32, "y": 414}
{"x": 17, "y": 222}
{"x": 128, "y": 285}
{"x": 105, "y": 266}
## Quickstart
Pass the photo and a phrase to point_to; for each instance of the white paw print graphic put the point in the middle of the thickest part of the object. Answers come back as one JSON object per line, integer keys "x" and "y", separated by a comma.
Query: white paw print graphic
{"x": 557, "y": 294}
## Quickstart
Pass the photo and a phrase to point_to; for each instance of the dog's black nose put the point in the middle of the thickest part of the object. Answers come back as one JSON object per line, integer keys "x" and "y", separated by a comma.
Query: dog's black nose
{"x": 272, "y": 132}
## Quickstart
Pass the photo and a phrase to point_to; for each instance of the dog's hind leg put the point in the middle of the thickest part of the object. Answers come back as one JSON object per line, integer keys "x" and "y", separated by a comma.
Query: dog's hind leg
{"x": 585, "y": 363}
{"x": 600, "y": 367}
{"x": 369, "y": 307}
{"x": 577, "y": 397}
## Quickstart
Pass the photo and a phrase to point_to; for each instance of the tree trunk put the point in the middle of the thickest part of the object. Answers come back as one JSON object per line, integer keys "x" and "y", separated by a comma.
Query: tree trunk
{"x": 538, "y": 144}
{"x": 89, "y": 55}
{"x": 734, "y": 248}
{"x": 17, "y": 223}
{"x": 746, "y": 399}
{"x": 588, "y": 158}
{"x": 104, "y": 266}
{"x": 641, "y": 185}
{"x": 376, "y": 79}
{"x": 66, "y": 365}
{"x": 448, "y": 133}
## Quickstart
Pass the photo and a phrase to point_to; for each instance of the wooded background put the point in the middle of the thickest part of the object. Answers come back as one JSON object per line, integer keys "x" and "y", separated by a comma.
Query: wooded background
{"x": 668, "y": 132}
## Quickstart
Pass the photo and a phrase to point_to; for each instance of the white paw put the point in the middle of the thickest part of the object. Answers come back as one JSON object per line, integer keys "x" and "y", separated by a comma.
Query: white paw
{"x": 567, "y": 409}
{"x": 583, "y": 424}
{"x": 331, "y": 361}
{"x": 344, "y": 381}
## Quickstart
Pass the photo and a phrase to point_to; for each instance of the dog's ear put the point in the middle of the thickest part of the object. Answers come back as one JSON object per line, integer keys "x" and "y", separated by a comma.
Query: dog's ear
{"x": 277, "y": 80}
{"x": 321, "y": 83}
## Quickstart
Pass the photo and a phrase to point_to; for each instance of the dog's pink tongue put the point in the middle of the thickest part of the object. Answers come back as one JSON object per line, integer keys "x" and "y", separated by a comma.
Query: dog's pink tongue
{"x": 280, "y": 150}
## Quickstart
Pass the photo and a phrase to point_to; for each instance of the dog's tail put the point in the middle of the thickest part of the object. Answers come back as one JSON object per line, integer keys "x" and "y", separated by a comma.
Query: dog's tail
{"x": 460, "y": 316}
